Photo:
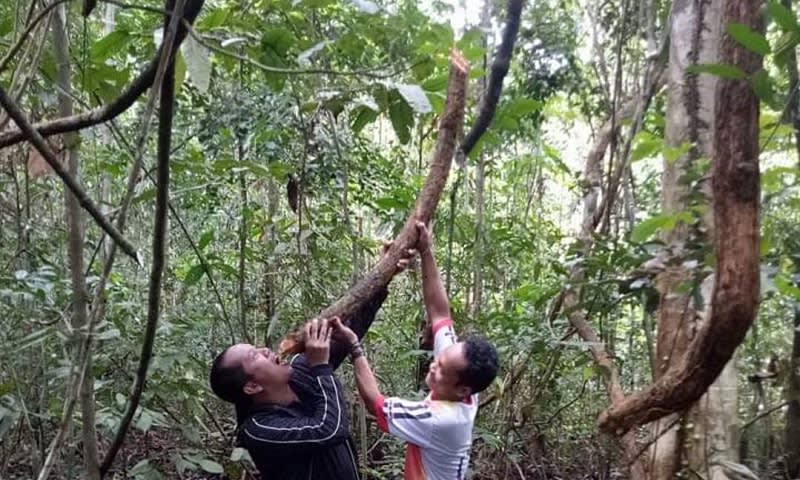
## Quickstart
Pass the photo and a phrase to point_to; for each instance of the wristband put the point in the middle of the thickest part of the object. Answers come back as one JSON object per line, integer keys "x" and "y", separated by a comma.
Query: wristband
{"x": 356, "y": 350}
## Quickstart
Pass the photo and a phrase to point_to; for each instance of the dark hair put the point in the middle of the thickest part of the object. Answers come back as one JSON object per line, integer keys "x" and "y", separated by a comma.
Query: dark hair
{"x": 481, "y": 366}
{"x": 228, "y": 382}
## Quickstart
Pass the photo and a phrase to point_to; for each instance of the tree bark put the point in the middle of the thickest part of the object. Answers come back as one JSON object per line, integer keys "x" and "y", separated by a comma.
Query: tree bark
{"x": 74, "y": 217}
{"x": 694, "y": 38}
{"x": 735, "y": 184}
{"x": 792, "y": 432}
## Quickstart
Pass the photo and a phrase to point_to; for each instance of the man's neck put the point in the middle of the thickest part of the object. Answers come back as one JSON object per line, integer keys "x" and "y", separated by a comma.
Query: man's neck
{"x": 283, "y": 396}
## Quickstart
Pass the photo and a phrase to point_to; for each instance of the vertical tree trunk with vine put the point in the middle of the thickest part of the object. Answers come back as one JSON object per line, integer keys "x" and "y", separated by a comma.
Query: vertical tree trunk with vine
{"x": 74, "y": 217}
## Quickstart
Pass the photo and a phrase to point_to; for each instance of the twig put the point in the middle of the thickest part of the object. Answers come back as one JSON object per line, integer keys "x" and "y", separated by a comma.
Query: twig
{"x": 36, "y": 139}
{"x": 763, "y": 414}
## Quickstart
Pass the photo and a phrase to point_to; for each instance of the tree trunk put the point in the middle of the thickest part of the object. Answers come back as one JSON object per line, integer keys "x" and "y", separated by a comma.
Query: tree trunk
{"x": 711, "y": 425}
{"x": 74, "y": 217}
{"x": 792, "y": 432}
{"x": 792, "y": 436}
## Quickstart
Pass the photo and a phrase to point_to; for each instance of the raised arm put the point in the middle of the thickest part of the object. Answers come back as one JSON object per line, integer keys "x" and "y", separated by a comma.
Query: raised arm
{"x": 434, "y": 295}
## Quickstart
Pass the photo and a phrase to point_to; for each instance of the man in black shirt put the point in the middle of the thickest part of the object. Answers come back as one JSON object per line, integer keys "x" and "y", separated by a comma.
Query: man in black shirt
{"x": 292, "y": 417}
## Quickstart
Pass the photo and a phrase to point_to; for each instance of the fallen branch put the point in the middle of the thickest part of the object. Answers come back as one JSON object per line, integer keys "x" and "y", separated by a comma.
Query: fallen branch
{"x": 116, "y": 107}
{"x": 449, "y": 125}
{"x": 166, "y": 108}
{"x": 735, "y": 185}
{"x": 500, "y": 65}
{"x": 39, "y": 143}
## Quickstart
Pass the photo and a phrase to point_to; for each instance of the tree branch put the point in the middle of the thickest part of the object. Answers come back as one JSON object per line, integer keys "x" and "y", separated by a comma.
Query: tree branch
{"x": 166, "y": 107}
{"x": 500, "y": 66}
{"x": 36, "y": 139}
{"x": 116, "y": 107}
{"x": 449, "y": 124}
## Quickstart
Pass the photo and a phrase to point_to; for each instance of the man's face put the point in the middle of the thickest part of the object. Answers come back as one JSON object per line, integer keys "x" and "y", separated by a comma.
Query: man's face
{"x": 444, "y": 372}
{"x": 262, "y": 366}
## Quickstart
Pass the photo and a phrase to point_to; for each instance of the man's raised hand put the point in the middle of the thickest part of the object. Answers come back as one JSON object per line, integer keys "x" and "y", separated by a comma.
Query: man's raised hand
{"x": 404, "y": 262}
{"x": 342, "y": 332}
{"x": 318, "y": 341}
{"x": 424, "y": 241}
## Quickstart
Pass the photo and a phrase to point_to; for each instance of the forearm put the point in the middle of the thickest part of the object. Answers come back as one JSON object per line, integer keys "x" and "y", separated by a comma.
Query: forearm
{"x": 366, "y": 383}
{"x": 433, "y": 292}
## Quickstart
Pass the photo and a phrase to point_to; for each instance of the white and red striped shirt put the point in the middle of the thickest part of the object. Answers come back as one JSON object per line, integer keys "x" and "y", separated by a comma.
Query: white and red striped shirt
{"x": 438, "y": 432}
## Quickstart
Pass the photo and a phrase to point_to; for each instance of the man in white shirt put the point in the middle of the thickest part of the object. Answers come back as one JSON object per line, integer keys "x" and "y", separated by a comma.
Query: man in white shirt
{"x": 438, "y": 429}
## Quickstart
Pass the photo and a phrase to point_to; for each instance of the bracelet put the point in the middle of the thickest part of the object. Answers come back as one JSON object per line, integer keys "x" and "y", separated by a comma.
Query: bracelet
{"x": 356, "y": 350}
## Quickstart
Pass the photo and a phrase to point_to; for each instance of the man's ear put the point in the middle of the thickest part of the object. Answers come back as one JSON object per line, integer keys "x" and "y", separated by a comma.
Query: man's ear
{"x": 252, "y": 388}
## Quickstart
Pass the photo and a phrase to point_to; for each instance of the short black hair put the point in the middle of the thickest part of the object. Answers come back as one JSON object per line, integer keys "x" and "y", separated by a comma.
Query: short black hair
{"x": 482, "y": 364}
{"x": 228, "y": 383}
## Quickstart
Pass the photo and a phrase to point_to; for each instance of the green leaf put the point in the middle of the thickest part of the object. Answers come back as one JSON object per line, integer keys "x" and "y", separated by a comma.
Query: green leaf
{"x": 402, "y": 117}
{"x": 240, "y": 454}
{"x": 645, "y": 145}
{"x": 211, "y": 466}
{"x": 194, "y": 275}
{"x": 415, "y": 97}
{"x": 786, "y": 287}
{"x": 673, "y": 153}
{"x": 436, "y": 84}
{"x": 721, "y": 70}
{"x": 205, "y": 239}
{"x": 753, "y": 41}
{"x": 107, "y": 46}
{"x": 782, "y": 16}
{"x": 645, "y": 229}
{"x": 763, "y": 86}
{"x": 213, "y": 19}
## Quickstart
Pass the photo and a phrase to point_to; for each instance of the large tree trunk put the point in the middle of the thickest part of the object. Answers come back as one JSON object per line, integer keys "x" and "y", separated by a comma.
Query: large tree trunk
{"x": 735, "y": 183}
{"x": 694, "y": 38}
{"x": 74, "y": 216}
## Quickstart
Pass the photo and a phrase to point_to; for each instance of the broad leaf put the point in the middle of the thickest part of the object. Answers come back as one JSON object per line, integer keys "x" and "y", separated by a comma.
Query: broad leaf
{"x": 402, "y": 117}
{"x": 645, "y": 229}
{"x": 415, "y": 97}
{"x": 107, "y": 46}
{"x": 762, "y": 85}
{"x": 753, "y": 41}
{"x": 782, "y": 16}
{"x": 211, "y": 466}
